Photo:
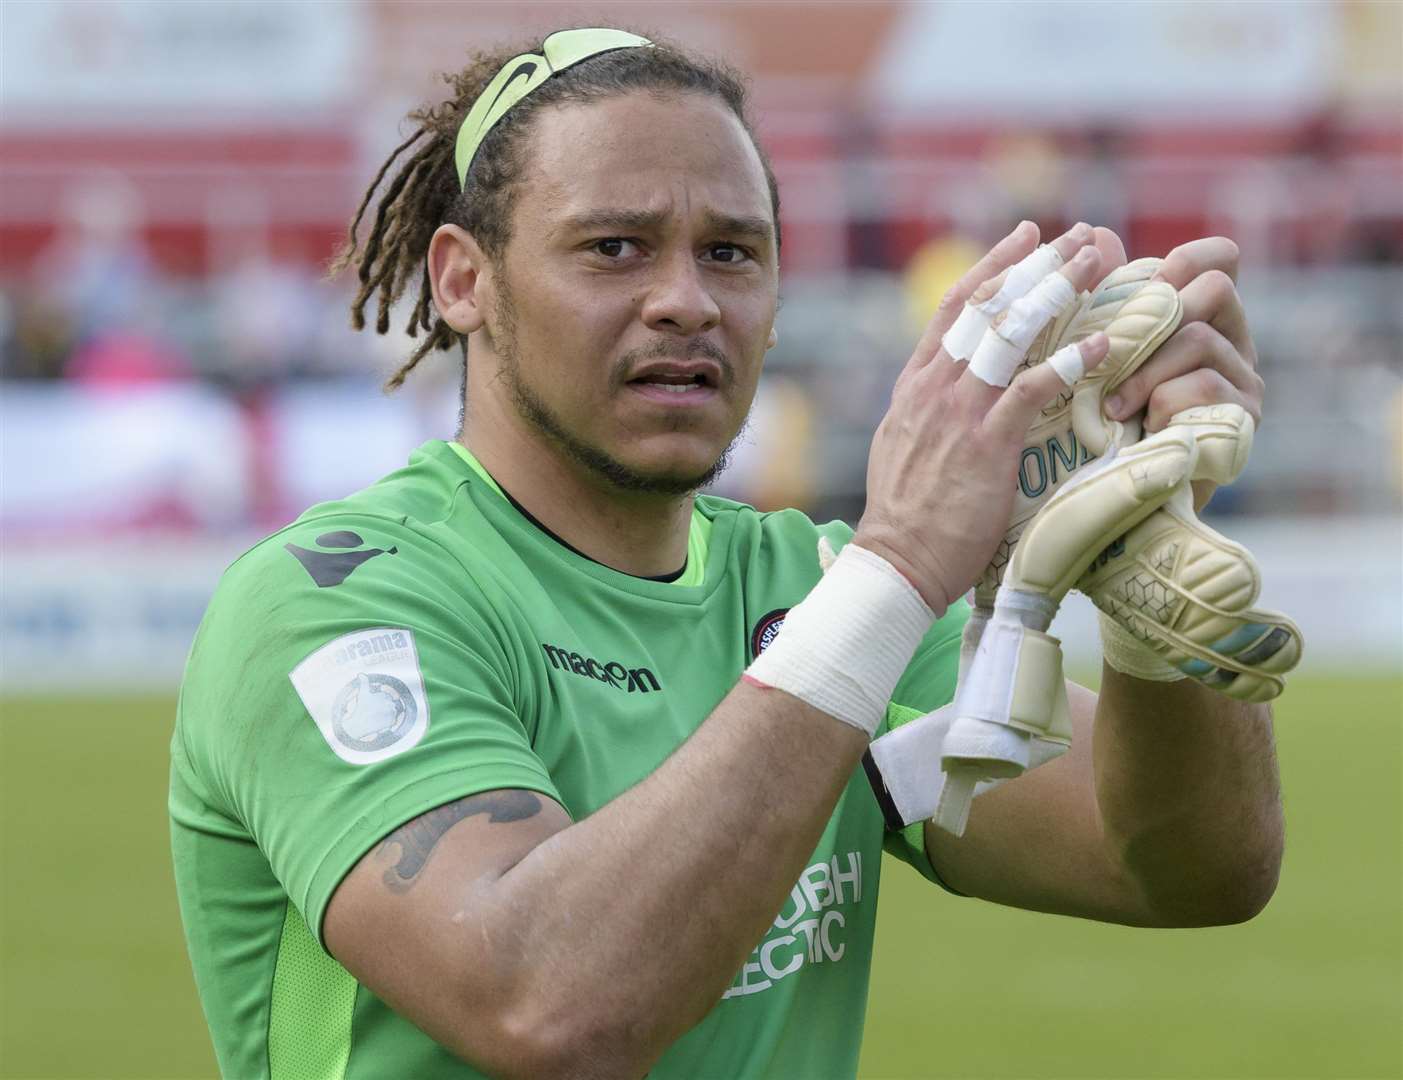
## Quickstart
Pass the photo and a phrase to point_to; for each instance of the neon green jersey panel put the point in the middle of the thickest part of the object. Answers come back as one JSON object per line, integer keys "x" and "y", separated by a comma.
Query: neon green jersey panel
{"x": 421, "y": 641}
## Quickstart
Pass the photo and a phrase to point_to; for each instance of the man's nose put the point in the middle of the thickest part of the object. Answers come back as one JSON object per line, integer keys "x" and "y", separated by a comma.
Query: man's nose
{"x": 678, "y": 300}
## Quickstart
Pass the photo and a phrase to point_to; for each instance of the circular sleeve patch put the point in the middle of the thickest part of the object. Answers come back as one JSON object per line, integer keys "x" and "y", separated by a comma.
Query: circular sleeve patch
{"x": 766, "y": 630}
{"x": 365, "y": 691}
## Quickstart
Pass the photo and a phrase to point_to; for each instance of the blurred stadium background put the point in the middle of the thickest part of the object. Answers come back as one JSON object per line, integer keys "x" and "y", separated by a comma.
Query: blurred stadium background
{"x": 179, "y": 378}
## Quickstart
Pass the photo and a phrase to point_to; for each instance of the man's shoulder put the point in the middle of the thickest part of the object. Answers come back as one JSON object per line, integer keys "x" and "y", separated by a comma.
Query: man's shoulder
{"x": 409, "y": 513}
{"x": 393, "y": 550}
{"x": 388, "y": 571}
{"x": 774, "y": 527}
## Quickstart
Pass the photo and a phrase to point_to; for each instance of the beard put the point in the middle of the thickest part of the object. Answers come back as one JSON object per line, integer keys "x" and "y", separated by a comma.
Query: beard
{"x": 535, "y": 411}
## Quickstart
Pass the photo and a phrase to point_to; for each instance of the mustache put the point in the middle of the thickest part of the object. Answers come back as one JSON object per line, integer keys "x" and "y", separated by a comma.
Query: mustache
{"x": 665, "y": 349}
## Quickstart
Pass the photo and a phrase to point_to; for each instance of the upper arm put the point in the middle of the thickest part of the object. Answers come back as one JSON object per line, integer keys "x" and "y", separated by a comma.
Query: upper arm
{"x": 1037, "y": 842}
{"x": 418, "y": 922}
{"x": 326, "y": 713}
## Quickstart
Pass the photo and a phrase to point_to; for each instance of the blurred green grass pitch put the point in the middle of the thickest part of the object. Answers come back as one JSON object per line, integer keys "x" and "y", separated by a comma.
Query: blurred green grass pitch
{"x": 95, "y": 981}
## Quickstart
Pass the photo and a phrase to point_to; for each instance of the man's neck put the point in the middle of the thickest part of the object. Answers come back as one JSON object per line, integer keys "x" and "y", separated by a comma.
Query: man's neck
{"x": 640, "y": 534}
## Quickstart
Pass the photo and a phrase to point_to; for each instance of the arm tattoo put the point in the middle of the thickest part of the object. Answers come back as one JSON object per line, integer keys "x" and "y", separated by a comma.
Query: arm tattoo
{"x": 416, "y": 839}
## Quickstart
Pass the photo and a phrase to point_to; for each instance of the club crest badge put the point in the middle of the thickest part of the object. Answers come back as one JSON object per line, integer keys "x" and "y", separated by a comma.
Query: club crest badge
{"x": 766, "y": 630}
{"x": 372, "y": 712}
{"x": 366, "y": 693}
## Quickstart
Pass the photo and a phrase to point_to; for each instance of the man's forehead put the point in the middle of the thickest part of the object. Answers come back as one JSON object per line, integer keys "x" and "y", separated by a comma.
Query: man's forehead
{"x": 643, "y": 158}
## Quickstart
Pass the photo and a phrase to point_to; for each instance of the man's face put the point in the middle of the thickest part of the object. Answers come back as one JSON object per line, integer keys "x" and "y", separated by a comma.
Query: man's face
{"x": 634, "y": 302}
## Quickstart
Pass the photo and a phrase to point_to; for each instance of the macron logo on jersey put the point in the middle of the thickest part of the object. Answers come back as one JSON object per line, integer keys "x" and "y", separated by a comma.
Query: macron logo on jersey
{"x": 616, "y": 674}
{"x": 329, "y": 568}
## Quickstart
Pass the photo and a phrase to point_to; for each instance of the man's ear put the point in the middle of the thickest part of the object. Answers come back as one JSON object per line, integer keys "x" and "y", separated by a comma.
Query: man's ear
{"x": 456, "y": 265}
{"x": 772, "y": 340}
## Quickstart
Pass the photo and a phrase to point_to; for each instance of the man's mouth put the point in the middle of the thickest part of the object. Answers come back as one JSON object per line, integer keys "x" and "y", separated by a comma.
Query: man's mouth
{"x": 676, "y": 380}
{"x": 673, "y": 384}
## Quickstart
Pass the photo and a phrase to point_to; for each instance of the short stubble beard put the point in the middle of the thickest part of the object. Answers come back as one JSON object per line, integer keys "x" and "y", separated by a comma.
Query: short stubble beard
{"x": 539, "y": 415}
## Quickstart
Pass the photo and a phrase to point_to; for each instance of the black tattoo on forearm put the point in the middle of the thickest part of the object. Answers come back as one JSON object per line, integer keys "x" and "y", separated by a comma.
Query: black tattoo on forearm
{"x": 416, "y": 839}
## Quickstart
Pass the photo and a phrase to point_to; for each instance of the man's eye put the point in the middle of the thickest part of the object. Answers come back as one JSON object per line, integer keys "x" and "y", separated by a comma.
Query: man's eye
{"x": 727, "y": 253}
{"x": 613, "y": 247}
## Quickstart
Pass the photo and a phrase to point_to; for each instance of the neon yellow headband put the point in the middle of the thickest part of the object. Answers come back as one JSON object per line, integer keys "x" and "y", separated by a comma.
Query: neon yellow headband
{"x": 522, "y": 74}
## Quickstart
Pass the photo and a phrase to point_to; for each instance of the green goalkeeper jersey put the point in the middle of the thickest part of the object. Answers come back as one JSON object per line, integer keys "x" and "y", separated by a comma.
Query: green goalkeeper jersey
{"x": 422, "y": 641}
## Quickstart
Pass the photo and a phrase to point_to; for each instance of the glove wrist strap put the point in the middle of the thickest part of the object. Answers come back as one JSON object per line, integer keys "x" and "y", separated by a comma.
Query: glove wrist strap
{"x": 1014, "y": 679}
{"x": 1129, "y": 655}
{"x": 1010, "y": 710}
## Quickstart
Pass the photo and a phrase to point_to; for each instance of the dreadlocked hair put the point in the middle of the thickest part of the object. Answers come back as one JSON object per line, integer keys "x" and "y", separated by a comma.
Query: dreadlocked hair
{"x": 424, "y": 193}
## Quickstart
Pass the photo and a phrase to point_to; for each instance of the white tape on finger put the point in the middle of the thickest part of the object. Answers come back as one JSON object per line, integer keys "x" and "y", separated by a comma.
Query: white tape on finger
{"x": 995, "y": 360}
{"x": 963, "y": 338}
{"x": 1068, "y": 363}
{"x": 1028, "y": 272}
{"x": 1002, "y": 348}
{"x": 1028, "y": 315}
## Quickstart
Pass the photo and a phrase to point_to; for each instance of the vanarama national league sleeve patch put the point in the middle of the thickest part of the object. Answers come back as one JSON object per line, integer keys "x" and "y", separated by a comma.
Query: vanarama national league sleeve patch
{"x": 365, "y": 691}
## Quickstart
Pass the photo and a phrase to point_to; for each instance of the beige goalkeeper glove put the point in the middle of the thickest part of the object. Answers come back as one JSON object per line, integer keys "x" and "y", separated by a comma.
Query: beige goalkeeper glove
{"x": 1175, "y": 596}
{"x": 1170, "y": 588}
{"x": 1010, "y": 710}
{"x": 1131, "y": 514}
{"x": 1032, "y": 320}
{"x": 1138, "y": 316}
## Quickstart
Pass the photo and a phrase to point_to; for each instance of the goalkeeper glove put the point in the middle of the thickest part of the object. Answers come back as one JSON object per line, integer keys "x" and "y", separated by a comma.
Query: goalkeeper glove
{"x": 1184, "y": 592}
{"x": 1137, "y": 315}
{"x": 1010, "y": 710}
{"x": 1164, "y": 590}
{"x": 1179, "y": 588}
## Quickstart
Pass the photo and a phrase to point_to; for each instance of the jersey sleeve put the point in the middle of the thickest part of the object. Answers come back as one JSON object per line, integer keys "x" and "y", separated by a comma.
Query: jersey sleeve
{"x": 349, "y": 676}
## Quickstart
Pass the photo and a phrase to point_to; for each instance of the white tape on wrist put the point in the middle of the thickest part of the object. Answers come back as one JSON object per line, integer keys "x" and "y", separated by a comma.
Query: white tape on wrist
{"x": 963, "y": 338}
{"x": 1131, "y": 656}
{"x": 1001, "y": 349}
{"x": 844, "y": 647}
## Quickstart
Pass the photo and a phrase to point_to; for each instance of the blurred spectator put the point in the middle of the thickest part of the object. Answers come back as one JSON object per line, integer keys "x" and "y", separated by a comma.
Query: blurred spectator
{"x": 1098, "y": 193}
{"x": 123, "y": 358}
{"x": 95, "y": 311}
{"x": 865, "y": 206}
{"x": 96, "y": 276}
{"x": 1032, "y": 173}
{"x": 37, "y": 338}
{"x": 773, "y": 463}
{"x": 1324, "y": 230}
{"x": 932, "y": 270}
{"x": 266, "y": 318}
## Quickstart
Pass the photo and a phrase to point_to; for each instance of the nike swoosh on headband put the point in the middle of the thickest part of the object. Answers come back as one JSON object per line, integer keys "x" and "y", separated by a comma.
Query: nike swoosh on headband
{"x": 522, "y": 74}
{"x": 525, "y": 69}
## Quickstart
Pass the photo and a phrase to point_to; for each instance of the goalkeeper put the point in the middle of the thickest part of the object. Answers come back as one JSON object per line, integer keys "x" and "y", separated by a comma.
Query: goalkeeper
{"x": 528, "y": 760}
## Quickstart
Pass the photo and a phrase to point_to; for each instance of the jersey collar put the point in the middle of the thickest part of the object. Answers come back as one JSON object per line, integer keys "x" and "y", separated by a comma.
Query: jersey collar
{"x": 698, "y": 531}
